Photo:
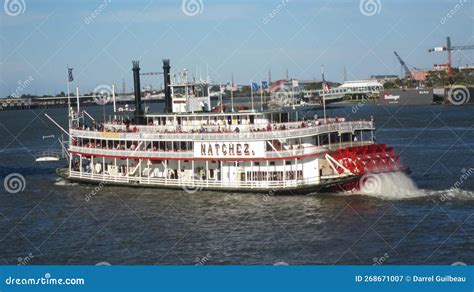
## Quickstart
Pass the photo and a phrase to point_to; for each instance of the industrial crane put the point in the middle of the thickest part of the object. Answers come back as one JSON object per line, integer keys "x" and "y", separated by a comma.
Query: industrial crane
{"x": 450, "y": 49}
{"x": 408, "y": 73}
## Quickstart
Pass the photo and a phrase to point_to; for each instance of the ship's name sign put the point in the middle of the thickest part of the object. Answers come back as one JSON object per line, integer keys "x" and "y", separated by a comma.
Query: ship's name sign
{"x": 221, "y": 149}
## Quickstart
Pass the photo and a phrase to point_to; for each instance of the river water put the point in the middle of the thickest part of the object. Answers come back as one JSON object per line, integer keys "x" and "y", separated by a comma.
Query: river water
{"x": 417, "y": 219}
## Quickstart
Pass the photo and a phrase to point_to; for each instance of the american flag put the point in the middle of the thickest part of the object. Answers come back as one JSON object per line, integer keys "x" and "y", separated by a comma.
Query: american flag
{"x": 231, "y": 87}
{"x": 70, "y": 78}
{"x": 326, "y": 86}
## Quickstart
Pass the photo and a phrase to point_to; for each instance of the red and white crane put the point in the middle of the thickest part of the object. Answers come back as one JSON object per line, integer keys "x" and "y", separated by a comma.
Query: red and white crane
{"x": 449, "y": 48}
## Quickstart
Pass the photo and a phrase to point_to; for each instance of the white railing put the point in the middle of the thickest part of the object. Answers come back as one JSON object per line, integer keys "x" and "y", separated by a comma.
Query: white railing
{"x": 172, "y": 128}
{"x": 241, "y": 136}
{"x": 149, "y": 154}
{"x": 196, "y": 184}
{"x": 132, "y": 153}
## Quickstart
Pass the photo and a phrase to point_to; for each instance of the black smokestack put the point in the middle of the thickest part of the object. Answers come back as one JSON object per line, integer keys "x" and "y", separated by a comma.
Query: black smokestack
{"x": 167, "y": 82}
{"x": 137, "y": 90}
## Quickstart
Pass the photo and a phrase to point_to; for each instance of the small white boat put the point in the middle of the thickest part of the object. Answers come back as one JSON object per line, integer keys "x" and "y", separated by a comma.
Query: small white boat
{"x": 48, "y": 156}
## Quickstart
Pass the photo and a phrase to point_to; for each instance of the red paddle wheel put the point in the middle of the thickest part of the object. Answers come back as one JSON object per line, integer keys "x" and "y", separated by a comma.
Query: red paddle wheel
{"x": 360, "y": 160}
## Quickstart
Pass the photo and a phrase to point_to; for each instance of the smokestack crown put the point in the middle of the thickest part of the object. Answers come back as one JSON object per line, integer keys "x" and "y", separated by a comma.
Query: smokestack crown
{"x": 136, "y": 65}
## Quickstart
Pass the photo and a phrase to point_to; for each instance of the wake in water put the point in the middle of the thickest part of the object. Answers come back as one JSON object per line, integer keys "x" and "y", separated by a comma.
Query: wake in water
{"x": 63, "y": 182}
{"x": 398, "y": 186}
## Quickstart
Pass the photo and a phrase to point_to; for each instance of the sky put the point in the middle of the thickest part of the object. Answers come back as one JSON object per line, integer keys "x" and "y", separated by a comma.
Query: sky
{"x": 99, "y": 39}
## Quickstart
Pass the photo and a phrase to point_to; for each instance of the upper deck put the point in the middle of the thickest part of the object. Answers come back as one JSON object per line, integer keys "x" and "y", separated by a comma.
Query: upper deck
{"x": 217, "y": 132}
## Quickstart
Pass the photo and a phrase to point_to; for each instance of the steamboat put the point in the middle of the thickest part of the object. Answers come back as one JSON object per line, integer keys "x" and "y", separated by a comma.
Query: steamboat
{"x": 195, "y": 147}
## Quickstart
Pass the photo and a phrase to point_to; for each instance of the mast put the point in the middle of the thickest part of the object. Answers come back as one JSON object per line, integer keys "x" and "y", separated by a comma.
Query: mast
{"x": 232, "y": 93}
{"x": 324, "y": 99}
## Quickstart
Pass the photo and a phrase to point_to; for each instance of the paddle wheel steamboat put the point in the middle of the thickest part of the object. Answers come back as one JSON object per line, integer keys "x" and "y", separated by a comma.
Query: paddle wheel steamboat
{"x": 194, "y": 147}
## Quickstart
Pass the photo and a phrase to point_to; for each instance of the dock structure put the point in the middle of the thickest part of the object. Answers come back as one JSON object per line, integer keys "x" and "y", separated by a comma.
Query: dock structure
{"x": 7, "y": 104}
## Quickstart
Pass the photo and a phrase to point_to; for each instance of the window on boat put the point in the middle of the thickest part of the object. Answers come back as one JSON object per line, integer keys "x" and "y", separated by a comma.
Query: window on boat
{"x": 346, "y": 137}
{"x": 324, "y": 139}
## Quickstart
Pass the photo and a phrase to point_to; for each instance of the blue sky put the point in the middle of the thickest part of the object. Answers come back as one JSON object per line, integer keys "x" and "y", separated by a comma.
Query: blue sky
{"x": 224, "y": 37}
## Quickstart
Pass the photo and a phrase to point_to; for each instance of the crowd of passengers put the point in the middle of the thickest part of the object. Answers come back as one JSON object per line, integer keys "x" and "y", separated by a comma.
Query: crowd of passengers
{"x": 211, "y": 127}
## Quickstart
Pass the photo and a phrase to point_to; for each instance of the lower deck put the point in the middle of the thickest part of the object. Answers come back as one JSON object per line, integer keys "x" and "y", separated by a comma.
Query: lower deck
{"x": 198, "y": 174}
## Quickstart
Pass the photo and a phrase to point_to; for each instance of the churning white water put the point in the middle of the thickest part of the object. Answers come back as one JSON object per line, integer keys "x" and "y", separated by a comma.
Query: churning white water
{"x": 397, "y": 185}
{"x": 63, "y": 182}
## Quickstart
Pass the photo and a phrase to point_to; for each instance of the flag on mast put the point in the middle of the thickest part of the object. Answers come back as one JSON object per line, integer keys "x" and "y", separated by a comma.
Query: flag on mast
{"x": 326, "y": 86}
{"x": 70, "y": 78}
{"x": 255, "y": 86}
{"x": 325, "y": 89}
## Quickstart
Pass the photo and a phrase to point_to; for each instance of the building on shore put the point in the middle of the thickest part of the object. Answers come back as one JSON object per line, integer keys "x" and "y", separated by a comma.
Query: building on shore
{"x": 383, "y": 78}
